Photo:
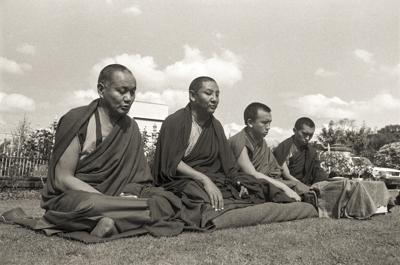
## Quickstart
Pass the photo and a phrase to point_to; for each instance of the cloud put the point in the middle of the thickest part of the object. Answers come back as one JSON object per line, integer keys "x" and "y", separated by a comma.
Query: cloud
{"x": 372, "y": 110}
{"x": 26, "y": 49}
{"x": 232, "y": 129}
{"x": 224, "y": 67}
{"x": 325, "y": 73}
{"x": 134, "y": 10}
{"x": 175, "y": 99}
{"x": 276, "y": 135}
{"x": 218, "y": 35}
{"x": 364, "y": 55}
{"x": 320, "y": 106}
{"x": 15, "y": 103}
{"x": 12, "y": 67}
{"x": 393, "y": 71}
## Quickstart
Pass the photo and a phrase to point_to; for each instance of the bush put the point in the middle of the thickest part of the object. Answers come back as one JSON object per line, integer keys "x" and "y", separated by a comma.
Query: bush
{"x": 388, "y": 156}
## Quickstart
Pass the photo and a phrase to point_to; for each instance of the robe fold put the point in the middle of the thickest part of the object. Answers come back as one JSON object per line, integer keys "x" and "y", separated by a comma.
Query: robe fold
{"x": 211, "y": 156}
{"x": 117, "y": 165}
{"x": 303, "y": 164}
{"x": 262, "y": 158}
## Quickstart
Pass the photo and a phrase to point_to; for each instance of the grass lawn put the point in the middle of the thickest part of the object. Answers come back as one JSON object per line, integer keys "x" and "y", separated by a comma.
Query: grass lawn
{"x": 311, "y": 241}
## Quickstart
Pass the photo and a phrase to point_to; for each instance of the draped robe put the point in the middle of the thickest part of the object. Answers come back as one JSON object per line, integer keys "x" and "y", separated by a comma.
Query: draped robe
{"x": 303, "y": 163}
{"x": 117, "y": 165}
{"x": 262, "y": 158}
{"x": 211, "y": 156}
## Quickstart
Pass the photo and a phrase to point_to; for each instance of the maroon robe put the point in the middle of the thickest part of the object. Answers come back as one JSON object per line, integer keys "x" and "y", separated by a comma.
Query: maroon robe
{"x": 303, "y": 165}
{"x": 211, "y": 156}
{"x": 117, "y": 165}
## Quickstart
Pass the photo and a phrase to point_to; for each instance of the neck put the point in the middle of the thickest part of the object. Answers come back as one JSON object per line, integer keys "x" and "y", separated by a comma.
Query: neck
{"x": 299, "y": 145}
{"x": 200, "y": 116}
{"x": 254, "y": 135}
{"x": 107, "y": 113}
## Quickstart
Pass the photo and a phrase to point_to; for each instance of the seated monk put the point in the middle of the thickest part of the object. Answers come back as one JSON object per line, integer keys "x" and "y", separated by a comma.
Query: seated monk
{"x": 336, "y": 199}
{"x": 253, "y": 155}
{"x": 297, "y": 158}
{"x": 193, "y": 159}
{"x": 98, "y": 180}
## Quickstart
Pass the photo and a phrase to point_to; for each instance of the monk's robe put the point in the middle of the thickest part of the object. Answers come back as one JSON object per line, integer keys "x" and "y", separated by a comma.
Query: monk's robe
{"x": 117, "y": 165}
{"x": 262, "y": 158}
{"x": 303, "y": 162}
{"x": 210, "y": 155}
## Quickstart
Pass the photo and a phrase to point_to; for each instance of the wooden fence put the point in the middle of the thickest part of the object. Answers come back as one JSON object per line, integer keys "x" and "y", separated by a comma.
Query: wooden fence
{"x": 22, "y": 171}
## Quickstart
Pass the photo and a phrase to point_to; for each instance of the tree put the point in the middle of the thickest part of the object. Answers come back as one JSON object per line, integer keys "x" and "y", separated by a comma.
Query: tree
{"x": 389, "y": 156}
{"x": 19, "y": 137}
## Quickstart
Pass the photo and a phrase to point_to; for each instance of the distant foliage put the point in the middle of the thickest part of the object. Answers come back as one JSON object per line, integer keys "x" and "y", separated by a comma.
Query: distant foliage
{"x": 341, "y": 164}
{"x": 149, "y": 145}
{"x": 39, "y": 143}
{"x": 389, "y": 156}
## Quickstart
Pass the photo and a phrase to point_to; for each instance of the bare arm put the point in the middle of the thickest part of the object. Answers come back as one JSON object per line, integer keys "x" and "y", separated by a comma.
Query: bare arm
{"x": 247, "y": 167}
{"x": 212, "y": 190}
{"x": 286, "y": 173}
{"x": 65, "y": 170}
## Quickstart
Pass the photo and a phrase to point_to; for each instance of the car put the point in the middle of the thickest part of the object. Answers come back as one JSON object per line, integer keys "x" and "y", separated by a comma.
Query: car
{"x": 390, "y": 176}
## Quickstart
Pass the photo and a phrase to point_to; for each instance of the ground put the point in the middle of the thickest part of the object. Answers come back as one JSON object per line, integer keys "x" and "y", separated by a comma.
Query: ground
{"x": 310, "y": 241}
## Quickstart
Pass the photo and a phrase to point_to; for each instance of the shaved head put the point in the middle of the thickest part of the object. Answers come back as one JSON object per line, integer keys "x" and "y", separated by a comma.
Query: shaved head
{"x": 107, "y": 72}
{"x": 197, "y": 83}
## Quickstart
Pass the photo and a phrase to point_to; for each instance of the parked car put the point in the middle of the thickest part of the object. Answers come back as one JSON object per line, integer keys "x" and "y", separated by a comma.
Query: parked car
{"x": 390, "y": 176}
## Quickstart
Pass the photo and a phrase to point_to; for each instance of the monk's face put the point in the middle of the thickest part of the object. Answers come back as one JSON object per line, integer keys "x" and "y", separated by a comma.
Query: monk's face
{"x": 261, "y": 125}
{"x": 119, "y": 93}
{"x": 304, "y": 135}
{"x": 206, "y": 98}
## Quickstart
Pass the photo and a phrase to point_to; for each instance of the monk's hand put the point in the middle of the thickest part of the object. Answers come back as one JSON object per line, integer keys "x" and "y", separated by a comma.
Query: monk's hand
{"x": 292, "y": 194}
{"x": 243, "y": 193}
{"x": 216, "y": 199}
{"x": 128, "y": 195}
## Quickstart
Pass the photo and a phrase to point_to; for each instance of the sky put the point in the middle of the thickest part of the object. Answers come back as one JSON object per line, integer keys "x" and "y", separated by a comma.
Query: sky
{"x": 327, "y": 60}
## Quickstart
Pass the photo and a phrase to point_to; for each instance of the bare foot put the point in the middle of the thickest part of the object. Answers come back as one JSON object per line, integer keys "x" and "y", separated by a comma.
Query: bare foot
{"x": 105, "y": 227}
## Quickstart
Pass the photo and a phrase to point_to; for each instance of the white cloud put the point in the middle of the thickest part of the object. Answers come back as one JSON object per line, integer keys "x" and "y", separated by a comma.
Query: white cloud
{"x": 277, "y": 135}
{"x": 224, "y": 68}
{"x": 364, "y": 55}
{"x": 320, "y": 106}
{"x": 175, "y": 99}
{"x": 26, "y": 49}
{"x": 12, "y": 67}
{"x": 15, "y": 102}
{"x": 218, "y": 35}
{"x": 232, "y": 129}
{"x": 391, "y": 70}
{"x": 371, "y": 110}
{"x": 325, "y": 73}
{"x": 134, "y": 10}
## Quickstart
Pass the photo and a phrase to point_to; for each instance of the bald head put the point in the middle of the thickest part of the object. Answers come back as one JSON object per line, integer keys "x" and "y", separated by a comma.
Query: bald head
{"x": 197, "y": 83}
{"x": 107, "y": 73}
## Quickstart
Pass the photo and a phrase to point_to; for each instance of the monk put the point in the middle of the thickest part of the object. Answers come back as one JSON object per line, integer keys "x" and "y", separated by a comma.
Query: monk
{"x": 99, "y": 184}
{"x": 335, "y": 198}
{"x": 297, "y": 158}
{"x": 193, "y": 159}
{"x": 253, "y": 155}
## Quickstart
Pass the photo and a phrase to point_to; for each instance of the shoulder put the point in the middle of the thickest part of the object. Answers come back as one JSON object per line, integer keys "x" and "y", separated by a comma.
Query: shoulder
{"x": 238, "y": 138}
{"x": 177, "y": 116}
{"x": 237, "y": 143}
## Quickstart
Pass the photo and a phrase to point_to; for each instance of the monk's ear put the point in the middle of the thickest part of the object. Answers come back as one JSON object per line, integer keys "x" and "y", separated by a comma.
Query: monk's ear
{"x": 249, "y": 122}
{"x": 192, "y": 96}
{"x": 294, "y": 130}
{"x": 100, "y": 89}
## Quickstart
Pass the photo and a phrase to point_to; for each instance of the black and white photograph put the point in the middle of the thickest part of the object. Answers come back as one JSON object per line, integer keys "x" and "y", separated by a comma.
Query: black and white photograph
{"x": 199, "y": 132}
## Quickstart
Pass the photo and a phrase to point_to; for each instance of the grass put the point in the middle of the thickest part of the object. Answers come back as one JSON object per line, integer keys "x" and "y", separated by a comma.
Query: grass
{"x": 311, "y": 241}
